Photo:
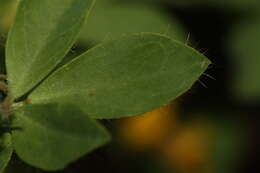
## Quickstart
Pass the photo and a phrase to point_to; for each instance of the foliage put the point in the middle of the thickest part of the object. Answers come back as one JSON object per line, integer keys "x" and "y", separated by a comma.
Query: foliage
{"x": 50, "y": 110}
{"x": 108, "y": 23}
{"x": 243, "y": 43}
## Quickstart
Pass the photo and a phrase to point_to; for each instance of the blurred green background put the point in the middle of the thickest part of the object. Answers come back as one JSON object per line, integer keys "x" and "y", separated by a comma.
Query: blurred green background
{"x": 213, "y": 128}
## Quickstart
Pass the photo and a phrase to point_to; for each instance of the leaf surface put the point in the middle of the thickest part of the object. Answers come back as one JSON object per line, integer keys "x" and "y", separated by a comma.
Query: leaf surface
{"x": 52, "y": 136}
{"x": 6, "y": 150}
{"x": 111, "y": 20}
{"x": 124, "y": 77}
{"x": 230, "y": 4}
{"x": 42, "y": 34}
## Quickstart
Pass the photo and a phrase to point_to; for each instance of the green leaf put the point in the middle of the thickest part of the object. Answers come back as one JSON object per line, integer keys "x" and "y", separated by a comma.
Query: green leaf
{"x": 7, "y": 13}
{"x": 240, "y": 4}
{"x": 244, "y": 45}
{"x": 230, "y": 4}
{"x": 42, "y": 34}
{"x": 53, "y": 136}
{"x": 112, "y": 20}
{"x": 124, "y": 77}
{"x": 6, "y": 150}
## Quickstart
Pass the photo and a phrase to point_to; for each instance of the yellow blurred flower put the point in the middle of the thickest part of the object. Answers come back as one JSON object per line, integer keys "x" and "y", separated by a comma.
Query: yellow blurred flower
{"x": 149, "y": 130}
{"x": 188, "y": 151}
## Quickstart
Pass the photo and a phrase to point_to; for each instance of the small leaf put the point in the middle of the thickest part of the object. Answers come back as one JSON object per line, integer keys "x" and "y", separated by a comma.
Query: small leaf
{"x": 52, "y": 136}
{"x": 125, "y": 77}
{"x": 107, "y": 22}
{"x": 42, "y": 34}
{"x": 6, "y": 150}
